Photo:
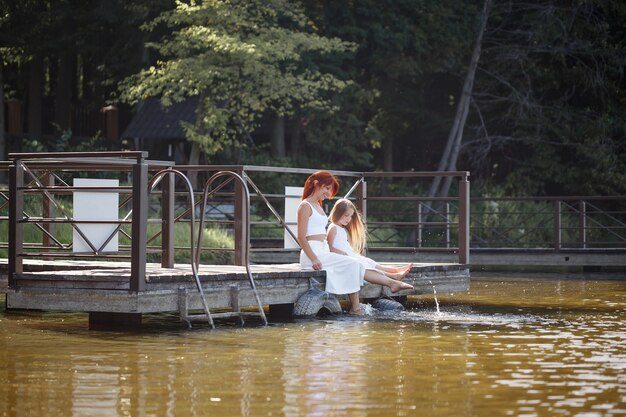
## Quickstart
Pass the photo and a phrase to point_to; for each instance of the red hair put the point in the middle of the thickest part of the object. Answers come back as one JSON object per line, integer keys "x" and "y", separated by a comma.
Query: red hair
{"x": 320, "y": 179}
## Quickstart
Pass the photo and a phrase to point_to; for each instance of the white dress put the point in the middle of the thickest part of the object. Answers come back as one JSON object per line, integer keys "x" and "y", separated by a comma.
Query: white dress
{"x": 344, "y": 275}
{"x": 341, "y": 242}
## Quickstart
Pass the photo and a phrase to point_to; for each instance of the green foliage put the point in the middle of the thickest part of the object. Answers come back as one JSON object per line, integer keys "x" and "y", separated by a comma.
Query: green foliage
{"x": 242, "y": 58}
{"x": 102, "y": 34}
{"x": 337, "y": 140}
{"x": 368, "y": 83}
{"x": 549, "y": 99}
{"x": 408, "y": 59}
{"x": 519, "y": 224}
{"x": 64, "y": 141}
{"x": 217, "y": 243}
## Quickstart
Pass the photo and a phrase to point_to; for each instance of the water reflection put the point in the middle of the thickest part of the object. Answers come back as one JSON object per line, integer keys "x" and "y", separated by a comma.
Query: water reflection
{"x": 514, "y": 347}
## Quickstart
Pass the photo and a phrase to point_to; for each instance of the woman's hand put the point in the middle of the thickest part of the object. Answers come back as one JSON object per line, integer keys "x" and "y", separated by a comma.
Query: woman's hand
{"x": 317, "y": 265}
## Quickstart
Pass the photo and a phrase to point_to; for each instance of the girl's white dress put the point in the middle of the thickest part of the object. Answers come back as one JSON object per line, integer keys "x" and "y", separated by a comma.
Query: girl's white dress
{"x": 344, "y": 275}
{"x": 341, "y": 242}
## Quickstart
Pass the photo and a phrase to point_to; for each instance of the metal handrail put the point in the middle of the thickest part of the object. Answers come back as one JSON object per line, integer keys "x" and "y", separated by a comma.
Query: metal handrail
{"x": 558, "y": 209}
{"x": 194, "y": 266}
{"x": 246, "y": 214}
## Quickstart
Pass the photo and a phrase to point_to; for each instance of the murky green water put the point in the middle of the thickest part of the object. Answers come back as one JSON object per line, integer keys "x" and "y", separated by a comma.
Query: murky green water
{"x": 520, "y": 347}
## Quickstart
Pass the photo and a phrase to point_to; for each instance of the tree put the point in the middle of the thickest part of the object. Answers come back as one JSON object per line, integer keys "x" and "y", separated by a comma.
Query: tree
{"x": 2, "y": 122}
{"x": 449, "y": 158}
{"x": 408, "y": 57}
{"x": 70, "y": 50}
{"x": 548, "y": 104}
{"x": 243, "y": 59}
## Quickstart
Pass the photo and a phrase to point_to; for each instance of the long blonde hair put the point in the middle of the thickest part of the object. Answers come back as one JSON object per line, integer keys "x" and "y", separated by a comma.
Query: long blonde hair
{"x": 357, "y": 231}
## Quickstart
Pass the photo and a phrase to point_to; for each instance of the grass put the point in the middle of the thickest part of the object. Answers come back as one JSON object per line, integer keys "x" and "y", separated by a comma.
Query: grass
{"x": 217, "y": 243}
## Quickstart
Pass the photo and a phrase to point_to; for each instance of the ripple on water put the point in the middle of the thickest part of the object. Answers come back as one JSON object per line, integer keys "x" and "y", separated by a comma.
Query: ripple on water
{"x": 465, "y": 317}
{"x": 515, "y": 348}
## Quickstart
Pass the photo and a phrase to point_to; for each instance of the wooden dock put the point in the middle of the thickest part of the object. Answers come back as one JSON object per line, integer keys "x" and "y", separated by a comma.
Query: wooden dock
{"x": 119, "y": 293}
{"x": 103, "y": 287}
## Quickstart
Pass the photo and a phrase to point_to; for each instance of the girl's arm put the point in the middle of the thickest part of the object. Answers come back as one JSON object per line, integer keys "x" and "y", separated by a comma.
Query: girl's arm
{"x": 304, "y": 212}
{"x": 331, "y": 234}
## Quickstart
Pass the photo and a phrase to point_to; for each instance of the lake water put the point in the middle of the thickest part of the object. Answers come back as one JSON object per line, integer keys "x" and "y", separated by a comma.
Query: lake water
{"x": 512, "y": 346}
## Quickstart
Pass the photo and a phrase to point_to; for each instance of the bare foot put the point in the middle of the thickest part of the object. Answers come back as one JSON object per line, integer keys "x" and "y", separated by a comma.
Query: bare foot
{"x": 357, "y": 312}
{"x": 399, "y": 286}
{"x": 398, "y": 276}
{"x": 402, "y": 273}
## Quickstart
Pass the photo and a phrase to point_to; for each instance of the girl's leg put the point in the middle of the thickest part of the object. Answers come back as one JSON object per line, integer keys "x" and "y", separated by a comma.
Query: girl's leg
{"x": 395, "y": 273}
{"x": 392, "y": 275}
{"x": 377, "y": 277}
{"x": 390, "y": 269}
{"x": 355, "y": 303}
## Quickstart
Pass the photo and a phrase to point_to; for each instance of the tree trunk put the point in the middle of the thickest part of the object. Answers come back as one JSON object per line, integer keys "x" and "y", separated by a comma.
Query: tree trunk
{"x": 456, "y": 148}
{"x": 295, "y": 143}
{"x": 194, "y": 159}
{"x": 2, "y": 122}
{"x": 278, "y": 137}
{"x": 63, "y": 93}
{"x": 35, "y": 93}
{"x": 387, "y": 163}
{"x": 388, "y": 155}
{"x": 453, "y": 145}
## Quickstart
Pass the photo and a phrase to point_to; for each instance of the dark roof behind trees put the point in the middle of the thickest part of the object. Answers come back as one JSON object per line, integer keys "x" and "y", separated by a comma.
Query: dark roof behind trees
{"x": 156, "y": 122}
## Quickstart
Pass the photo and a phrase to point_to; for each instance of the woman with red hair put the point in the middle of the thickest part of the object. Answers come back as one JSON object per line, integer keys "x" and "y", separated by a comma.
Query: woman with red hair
{"x": 344, "y": 275}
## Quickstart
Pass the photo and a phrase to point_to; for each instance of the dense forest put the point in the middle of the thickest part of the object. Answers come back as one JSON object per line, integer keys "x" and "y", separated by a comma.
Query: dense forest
{"x": 527, "y": 95}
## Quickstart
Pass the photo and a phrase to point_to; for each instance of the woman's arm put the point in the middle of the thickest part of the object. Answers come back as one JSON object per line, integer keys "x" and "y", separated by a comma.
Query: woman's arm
{"x": 330, "y": 238}
{"x": 304, "y": 212}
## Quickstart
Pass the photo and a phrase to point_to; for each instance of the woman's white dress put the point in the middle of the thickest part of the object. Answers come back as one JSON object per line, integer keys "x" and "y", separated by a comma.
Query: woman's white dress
{"x": 344, "y": 275}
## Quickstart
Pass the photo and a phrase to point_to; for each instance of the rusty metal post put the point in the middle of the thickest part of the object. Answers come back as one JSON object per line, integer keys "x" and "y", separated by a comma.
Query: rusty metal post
{"x": 557, "y": 225}
{"x": 241, "y": 239}
{"x": 361, "y": 199}
{"x": 48, "y": 212}
{"x": 139, "y": 226}
{"x": 167, "y": 221}
{"x": 419, "y": 224}
{"x": 582, "y": 224}
{"x": 464, "y": 220}
{"x": 16, "y": 228}
{"x": 447, "y": 214}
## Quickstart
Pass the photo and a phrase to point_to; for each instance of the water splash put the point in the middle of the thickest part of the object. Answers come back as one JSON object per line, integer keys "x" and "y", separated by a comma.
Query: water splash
{"x": 435, "y": 295}
{"x": 368, "y": 310}
{"x": 436, "y": 301}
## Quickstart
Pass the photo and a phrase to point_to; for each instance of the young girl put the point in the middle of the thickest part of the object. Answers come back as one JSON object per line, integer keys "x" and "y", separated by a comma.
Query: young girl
{"x": 347, "y": 235}
{"x": 344, "y": 275}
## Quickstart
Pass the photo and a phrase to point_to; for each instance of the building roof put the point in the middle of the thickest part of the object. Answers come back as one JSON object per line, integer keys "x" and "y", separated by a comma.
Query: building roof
{"x": 156, "y": 122}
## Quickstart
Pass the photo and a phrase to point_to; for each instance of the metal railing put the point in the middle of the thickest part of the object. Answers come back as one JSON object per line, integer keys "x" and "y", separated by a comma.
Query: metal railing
{"x": 557, "y": 223}
{"x": 142, "y": 223}
{"x": 379, "y": 196}
{"x": 399, "y": 217}
{"x": 41, "y": 180}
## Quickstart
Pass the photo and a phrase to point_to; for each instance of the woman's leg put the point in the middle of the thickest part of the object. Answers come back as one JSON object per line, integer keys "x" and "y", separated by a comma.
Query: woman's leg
{"x": 355, "y": 303}
{"x": 377, "y": 277}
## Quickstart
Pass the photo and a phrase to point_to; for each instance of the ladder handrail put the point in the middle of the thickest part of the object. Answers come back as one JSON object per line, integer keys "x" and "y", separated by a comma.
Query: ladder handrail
{"x": 246, "y": 213}
{"x": 194, "y": 267}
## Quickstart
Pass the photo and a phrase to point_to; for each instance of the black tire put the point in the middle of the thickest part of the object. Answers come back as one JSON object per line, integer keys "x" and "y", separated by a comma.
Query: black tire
{"x": 314, "y": 301}
{"x": 387, "y": 304}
